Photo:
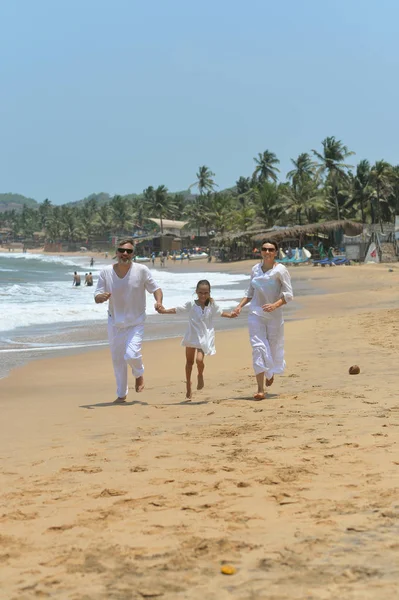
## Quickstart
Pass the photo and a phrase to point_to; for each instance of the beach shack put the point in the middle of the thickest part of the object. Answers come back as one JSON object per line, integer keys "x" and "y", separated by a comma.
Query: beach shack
{"x": 169, "y": 236}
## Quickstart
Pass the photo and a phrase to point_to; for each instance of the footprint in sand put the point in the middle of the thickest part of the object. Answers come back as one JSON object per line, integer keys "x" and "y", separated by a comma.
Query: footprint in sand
{"x": 81, "y": 469}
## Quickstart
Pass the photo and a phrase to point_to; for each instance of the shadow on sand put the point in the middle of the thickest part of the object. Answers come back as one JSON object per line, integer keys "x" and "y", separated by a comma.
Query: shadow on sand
{"x": 107, "y": 404}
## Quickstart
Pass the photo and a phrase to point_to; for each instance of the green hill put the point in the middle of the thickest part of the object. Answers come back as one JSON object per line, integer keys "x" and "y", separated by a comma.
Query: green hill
{"x": 15, "y": 202}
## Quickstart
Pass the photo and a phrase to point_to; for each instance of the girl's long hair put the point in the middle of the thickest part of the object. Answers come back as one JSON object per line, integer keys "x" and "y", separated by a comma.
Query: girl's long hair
{"x": 205, "y": 282}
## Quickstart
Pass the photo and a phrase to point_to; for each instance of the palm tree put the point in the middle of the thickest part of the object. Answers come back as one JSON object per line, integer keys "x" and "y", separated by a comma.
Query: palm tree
{"x": 303, "y": 198}
{"x": 205, "y": 181}
{"x": 332, "y": 163}
{"x": 361, "y": 186}
{"x": 267, "y": 203}
{"x": 159, "y": 204}
{"x": 304, "y": 169}
{"x": 394, "y": 192}
{"x": 121, "y": 214}
{"x": 104, "y": 221}
{"x": 380, "y": 177}
{"x": 266, "y": 169}
{"x": 45, "y": 209}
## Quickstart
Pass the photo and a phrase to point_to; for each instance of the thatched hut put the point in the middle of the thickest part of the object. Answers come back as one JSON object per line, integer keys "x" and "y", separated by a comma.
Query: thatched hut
{"x": 240, "y": 244}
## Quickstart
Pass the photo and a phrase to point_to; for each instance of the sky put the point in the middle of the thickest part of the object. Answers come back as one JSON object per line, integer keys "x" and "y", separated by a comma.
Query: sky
{"x": 114, "y": 96}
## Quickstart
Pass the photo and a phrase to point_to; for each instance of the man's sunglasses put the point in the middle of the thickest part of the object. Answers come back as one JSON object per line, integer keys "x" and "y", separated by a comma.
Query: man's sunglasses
{"x": 123, "y": 250}
{"x": 268, "y": 249}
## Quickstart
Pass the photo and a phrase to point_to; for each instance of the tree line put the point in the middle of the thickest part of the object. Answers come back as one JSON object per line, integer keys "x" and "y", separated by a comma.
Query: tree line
{"x": 320, "y": 186}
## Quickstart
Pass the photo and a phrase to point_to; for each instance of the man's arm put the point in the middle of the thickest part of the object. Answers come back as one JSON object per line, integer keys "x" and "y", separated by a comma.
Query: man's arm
{"x": 158, "y": 295}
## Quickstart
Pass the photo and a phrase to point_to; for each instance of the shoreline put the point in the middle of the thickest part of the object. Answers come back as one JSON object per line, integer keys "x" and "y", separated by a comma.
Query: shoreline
{"x": 77, "y": 337}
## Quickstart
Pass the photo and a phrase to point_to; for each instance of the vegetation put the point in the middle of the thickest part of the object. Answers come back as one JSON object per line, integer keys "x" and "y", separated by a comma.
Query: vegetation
{"x": 320, "y": 186}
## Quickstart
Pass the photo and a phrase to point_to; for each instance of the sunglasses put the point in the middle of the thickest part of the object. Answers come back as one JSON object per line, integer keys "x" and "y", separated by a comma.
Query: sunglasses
{"x": 123, "y": 250}
{"x": 268, "y": 249}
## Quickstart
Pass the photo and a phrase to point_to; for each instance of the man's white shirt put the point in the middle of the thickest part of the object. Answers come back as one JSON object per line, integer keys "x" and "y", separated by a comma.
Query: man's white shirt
{"x": 126, "y": 306}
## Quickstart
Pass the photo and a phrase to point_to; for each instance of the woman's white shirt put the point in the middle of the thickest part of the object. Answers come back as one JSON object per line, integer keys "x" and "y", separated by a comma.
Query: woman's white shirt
{"x": 200, "y": 332}
{"x": 268, "y": 287}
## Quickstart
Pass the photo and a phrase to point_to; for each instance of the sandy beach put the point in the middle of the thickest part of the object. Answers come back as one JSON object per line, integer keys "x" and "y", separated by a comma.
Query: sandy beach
{"x": 299, "y": 492}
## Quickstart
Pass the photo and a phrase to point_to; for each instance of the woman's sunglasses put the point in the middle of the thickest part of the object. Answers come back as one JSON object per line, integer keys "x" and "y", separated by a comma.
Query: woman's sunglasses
{"x": 268, "y": 249}
{"x": 123, "y": 250}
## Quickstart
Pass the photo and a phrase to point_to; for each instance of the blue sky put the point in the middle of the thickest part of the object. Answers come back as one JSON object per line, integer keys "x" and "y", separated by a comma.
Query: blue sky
{"x": 115, "y": 96}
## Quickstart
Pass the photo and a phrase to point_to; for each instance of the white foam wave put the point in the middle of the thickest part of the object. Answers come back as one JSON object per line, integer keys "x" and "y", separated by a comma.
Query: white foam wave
{"x": 56, "y": 302}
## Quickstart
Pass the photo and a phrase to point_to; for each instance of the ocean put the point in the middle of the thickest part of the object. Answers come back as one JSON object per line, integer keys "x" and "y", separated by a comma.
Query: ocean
{"x": 42, "y": 315}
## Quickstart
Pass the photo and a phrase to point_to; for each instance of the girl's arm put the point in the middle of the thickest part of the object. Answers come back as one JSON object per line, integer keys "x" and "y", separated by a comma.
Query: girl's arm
{"x": 228, "y": 315}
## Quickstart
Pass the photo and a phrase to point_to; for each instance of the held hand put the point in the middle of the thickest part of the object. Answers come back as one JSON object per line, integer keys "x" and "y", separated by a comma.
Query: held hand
{"x": 103, "y": 297}
{"x": 233, "y": 315}
{"x": 269, "y": 307}
{"x": 236, "y": 311}
{"x": 158, "y": 307}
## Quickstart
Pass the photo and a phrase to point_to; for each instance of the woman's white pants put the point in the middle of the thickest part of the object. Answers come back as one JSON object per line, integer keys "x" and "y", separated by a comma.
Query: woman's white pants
{"x": 125, "y": 345}
{"x": 267, "y": 340}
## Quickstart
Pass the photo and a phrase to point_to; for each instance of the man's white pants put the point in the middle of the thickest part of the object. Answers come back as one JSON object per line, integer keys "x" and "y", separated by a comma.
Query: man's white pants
{"x": 267, "y": 340}
{"x": 125, "y": 345}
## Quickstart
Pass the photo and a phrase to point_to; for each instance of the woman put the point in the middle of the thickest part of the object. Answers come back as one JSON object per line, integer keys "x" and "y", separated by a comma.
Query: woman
{"x": 269, "y": 290}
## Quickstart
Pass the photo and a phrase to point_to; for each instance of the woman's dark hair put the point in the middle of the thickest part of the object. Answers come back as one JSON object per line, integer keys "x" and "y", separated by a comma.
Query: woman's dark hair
{"x": 205, "y": 282}
{"x": 275, "y": 244}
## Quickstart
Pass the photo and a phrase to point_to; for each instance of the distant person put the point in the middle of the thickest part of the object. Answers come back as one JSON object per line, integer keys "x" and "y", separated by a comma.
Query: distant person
{"x": 162, "y": 257}
{"x": 153, "y": 258}
{"x": 200, "y": 334}
{"x": 89, "y": 280}
{"x": 76, "y": 279}
{"x": 91, "y": 261}
{"x": 106, "y": 255}
{"x": 125, "y": 285}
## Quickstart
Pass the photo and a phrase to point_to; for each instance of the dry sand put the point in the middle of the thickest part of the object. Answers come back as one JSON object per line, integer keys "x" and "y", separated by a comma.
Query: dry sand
{"x": 300, "y": 492}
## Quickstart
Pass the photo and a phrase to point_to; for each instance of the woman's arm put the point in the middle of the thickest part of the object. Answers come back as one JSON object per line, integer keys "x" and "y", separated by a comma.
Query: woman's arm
{"x": 286, "y": 292}
{"x": 240, "y": 306}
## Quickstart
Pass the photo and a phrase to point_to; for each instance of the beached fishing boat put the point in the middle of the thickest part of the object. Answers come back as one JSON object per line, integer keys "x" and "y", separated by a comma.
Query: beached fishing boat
{"x": 197, "y": 256}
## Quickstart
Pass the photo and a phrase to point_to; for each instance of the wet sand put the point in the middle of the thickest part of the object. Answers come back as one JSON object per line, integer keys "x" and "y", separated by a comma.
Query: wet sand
{"x": 148, "y": 500}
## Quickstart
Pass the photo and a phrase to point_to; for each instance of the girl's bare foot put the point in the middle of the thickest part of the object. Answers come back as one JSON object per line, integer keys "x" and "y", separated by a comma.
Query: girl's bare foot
{"x": 139, "y": 383}
{"x": 200, "y": 382}
{"x": 259, "y": 396}
{"x": 120, "y": 400}
{"x": 188, "y": 391}
{"x": 269, "y": 382}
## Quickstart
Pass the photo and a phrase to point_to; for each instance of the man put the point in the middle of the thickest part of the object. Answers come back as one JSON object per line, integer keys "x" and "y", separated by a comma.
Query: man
{"x": 124, "y": 285}
{"x": 89, "y": 279}
{"x": 76, "y": 279}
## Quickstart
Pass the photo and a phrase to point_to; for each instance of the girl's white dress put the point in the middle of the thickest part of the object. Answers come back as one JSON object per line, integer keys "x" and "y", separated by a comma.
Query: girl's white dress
{"x": 200, "y": 332}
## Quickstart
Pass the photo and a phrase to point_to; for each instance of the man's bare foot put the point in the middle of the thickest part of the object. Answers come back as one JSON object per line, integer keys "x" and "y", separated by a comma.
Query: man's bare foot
{"x": 200, "y": 382}
{"x": 120, "y": 400}
{"x": 269, "y": 382}
{"x": 259, "y": 396}
{"x": 139, "y": 383}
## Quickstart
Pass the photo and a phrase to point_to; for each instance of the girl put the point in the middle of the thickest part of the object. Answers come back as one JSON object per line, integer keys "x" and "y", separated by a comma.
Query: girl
{"x": 200, "y": 334}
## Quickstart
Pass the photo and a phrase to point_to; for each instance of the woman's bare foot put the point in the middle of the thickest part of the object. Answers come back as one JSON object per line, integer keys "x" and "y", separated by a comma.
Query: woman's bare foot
{"x": 120, "y": 400}
{"x": 200, "y": 382}
{"x": 188, "y": 391}
{"x": 259, "y": 396}
{"x": 269, "y": 382}
{"x": 139, "y": 383}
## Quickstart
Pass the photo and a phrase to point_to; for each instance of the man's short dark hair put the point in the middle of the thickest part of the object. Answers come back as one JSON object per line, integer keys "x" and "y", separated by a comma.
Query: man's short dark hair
{"x": 126, "y": 241}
